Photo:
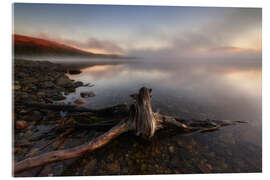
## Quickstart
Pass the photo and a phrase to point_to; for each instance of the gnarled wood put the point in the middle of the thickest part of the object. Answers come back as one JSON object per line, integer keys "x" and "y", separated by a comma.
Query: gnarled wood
{"x": 142, "y": 120}
{"x": 54, "y": 156}
{"x": 141, "y": 115}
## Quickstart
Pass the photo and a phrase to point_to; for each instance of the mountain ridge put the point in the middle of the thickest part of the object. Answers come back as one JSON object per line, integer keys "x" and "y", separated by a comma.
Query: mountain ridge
{"x": 32, "y": 46}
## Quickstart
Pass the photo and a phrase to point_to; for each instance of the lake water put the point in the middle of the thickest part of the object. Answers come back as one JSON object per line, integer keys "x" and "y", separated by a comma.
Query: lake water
{"x": 188, "y": 90}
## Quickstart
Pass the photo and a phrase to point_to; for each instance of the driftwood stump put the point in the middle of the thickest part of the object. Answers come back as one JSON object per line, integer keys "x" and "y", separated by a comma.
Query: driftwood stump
{"x": 140, "y": 119}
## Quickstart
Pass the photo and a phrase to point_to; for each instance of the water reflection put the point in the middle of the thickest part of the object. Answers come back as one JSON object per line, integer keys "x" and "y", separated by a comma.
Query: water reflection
{"x": 226, "y": 87}
{"x": 189, "y": 90}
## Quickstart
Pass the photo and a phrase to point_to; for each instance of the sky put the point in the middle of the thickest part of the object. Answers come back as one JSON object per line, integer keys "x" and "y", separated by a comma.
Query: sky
{"x": 154, "y": 32}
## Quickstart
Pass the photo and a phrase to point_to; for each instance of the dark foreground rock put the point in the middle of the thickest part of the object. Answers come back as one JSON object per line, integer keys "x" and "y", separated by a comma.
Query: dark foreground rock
{"x": 38, "y": 82}
{"x": 79, "y": 101}
{"x": 41, "y": 81}
{"x": 87, "y": 94}
{"x": 74, "y": 71}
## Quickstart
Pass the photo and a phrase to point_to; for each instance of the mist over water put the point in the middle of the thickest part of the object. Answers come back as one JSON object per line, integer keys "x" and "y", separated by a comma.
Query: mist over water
{"x": 189, "y": 90}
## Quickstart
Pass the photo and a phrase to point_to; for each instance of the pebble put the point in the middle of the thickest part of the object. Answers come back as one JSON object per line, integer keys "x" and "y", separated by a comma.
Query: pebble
{"x": 90, "y": 167}
{"x": 87, "y": 94}
{"x": 79, "y": 101}
{"x": 21, "y": 125}
{"x": 171, "y": 149}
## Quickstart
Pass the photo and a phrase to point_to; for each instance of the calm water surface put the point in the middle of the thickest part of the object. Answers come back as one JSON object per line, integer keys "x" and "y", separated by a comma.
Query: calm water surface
{"x": 188, "y": 90}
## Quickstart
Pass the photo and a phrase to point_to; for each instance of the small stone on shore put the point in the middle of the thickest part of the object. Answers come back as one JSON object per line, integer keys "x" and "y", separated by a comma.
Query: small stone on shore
{"x": 79, "y": 101}
{"x": 78, "y": 84}
{"x": 87, "y": 94}
{"x": 21, "y": 125}
{"x": 74, "y": 71}
{"x": 64, "y": 81}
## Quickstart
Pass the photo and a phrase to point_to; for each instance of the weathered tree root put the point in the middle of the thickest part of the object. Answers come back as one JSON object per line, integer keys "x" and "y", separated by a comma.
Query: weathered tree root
{"x": 114, "y": 110}
{"x": 141, "y": 120}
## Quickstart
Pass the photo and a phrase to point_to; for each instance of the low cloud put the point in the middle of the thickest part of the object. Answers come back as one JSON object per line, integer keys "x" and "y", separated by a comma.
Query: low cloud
{"x": 213, "y": 40}
{"x": 92, "y": 43}
{"x": 88, "y": 44}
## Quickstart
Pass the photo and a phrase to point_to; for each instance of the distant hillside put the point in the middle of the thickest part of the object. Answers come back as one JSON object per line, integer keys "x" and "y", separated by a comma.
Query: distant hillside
{"x": 30, "y": 46}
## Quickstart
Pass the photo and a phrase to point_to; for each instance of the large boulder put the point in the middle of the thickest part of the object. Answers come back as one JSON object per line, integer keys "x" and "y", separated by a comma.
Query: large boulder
{"x": 64, "y": 81}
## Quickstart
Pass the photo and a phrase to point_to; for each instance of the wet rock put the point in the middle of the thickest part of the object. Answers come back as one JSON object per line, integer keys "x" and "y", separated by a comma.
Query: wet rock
{"x": 90, "y": 168}
{"x": 47, "y": 171}
{"x": 113, "y": 167}
{"x": 74, "y": 71}
{"x": 41, "y": 94}
{"x": 212, "y": 154}
{"x": 171, "y": 149}
{"x": 23, "y": 111}
{"x": 209, "y": 166}
{"x": 79, "y": 101}
{"x": 50, "y": 92}
{"x": 58, "y": 97}
{"x": 21, "y": 125}
{"x": 17, "y": 149}
{"x": 28, "y": 133}
{"x": 30, "y": 80}
{"x": 70, "y": 90}
{"x": 21, "y": 96}
{"x": 52, "y": 115}
{"x": 157, "y": 151}
{"x": 175, "y": 162}
{"x": 20, "y": 75}
{"x": 22, "y": 142}
{"x": 143, "y": 167}
{"x": 78, "y": 84}
{"x": 125, "y": 170}
{"x": 57, "y": 169}
{"x": 224, "y": 165}
{"x": 88, "y": 85}
{"x": 191, "y": 144}
{"x": 16, "y": 87}
{"x": 87, "y": 94}
{"x": 180, "y": 143}
{"x": 110, "y": 157}
{"x": 64, "y": 81}
{"x": 47, "y": 84}
{"x": 35, "y": 116}
{"x": 138, "y": 155}
{"x": 203, "y": 168}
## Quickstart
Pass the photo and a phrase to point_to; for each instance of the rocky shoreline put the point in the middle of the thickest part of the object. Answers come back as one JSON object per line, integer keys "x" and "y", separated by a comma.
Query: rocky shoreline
{"x": 37, "y": 131}
{"x": 37, "y": 82}
{"x": 41, "y": 81}
{"x": 33, "y": 128}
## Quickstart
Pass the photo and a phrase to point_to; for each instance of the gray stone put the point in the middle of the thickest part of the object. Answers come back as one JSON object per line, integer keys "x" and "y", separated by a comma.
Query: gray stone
{"x": 47, "y": 84}
{"x": 58, "y": 97}
{"x": 87, "y": 94}
{"x": 35, "y": 116}
{"x": 78, "y": 84}
{"x": 64, "y": 81}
